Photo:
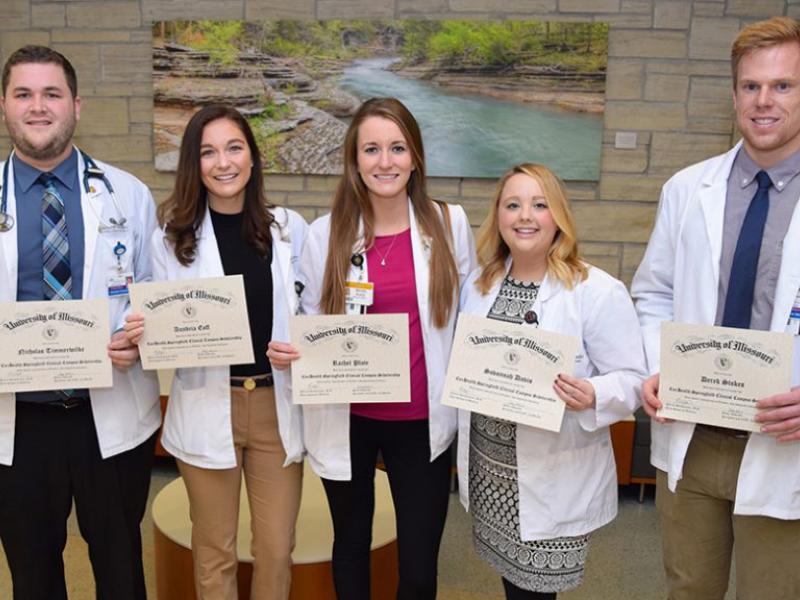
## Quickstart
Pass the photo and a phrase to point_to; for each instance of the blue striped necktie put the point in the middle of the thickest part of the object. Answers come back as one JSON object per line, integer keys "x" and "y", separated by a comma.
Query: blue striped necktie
{"x": 56, "y": 271}
{"x": 739, "y": 299}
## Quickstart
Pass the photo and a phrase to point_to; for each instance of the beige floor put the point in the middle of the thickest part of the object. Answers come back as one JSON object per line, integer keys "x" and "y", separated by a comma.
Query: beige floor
{"x": 624, "y": 557}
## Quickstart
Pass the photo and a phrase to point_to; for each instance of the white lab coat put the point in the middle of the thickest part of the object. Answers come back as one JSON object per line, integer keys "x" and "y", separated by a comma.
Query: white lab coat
{"x": 568, "y": 480}
{"x": 197, "y": 427}
{"x": 326, "y": 428}
{"x": 128, "y": 413}
{"x": 678, "y": 281}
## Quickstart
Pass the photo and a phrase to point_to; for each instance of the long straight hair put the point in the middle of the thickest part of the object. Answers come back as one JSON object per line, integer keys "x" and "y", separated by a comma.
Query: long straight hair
{"x": 351, "y": 203}
{"x": 563, "y": 260}
{"x": 183, "y": 212}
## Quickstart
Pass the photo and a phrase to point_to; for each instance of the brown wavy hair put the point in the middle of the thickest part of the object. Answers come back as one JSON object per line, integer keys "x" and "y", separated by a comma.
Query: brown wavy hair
{"x": 40, "y": 55}
{"x": 563, "y": 260}
{"x": 351, "y": 203}
{"x": 183, "y": 212}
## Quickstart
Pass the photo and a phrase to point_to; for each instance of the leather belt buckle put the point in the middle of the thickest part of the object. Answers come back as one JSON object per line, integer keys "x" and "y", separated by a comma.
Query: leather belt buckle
{"x": 251, "y": 383}
{"x": 70, "y": 402}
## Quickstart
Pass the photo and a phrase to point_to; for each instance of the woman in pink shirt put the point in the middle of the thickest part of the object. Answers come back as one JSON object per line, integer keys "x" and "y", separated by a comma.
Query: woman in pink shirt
{"x": 384, "y": 229}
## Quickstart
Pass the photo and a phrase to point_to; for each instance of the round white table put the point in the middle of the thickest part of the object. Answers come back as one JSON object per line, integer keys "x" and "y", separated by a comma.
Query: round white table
{"x": 312, "y": 578}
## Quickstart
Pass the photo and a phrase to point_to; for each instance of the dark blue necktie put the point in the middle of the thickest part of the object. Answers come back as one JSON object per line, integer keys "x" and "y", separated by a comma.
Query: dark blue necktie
{"x": 739, "y": 299}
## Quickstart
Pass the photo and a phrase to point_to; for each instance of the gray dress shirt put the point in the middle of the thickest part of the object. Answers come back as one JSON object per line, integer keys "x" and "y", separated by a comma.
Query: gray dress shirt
{"x": 783, "y": 197}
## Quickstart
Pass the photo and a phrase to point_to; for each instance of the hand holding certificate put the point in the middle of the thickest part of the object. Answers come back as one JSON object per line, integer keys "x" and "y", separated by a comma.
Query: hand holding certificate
{"x": 54, "y": 345}
{"x": 193, "y": 322}
{"x": 518, "y": 365}
{"x": 350, "y": 358}
{"x": 715, "y": 375}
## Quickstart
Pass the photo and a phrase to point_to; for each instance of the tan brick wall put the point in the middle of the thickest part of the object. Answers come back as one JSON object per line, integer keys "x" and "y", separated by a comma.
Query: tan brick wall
{"x": 668, "y": 80}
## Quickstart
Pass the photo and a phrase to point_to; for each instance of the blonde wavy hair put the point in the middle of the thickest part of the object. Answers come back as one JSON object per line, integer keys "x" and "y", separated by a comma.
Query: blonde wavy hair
{"x": 563, "y": 261}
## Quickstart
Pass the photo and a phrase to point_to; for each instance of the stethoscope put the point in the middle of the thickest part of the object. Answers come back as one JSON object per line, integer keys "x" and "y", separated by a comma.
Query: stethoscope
{"x": 90, "y": 170}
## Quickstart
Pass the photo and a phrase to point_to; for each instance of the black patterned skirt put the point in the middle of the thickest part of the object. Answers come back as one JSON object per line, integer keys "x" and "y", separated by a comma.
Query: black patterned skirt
{"x": 554, "y": 565}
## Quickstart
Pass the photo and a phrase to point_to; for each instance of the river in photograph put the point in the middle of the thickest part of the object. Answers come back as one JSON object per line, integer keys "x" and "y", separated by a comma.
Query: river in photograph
{"x": 478, "y": 136}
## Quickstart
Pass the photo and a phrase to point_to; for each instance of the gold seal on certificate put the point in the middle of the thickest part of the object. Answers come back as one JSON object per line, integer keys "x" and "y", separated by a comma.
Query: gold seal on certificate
{"x": 193, "y": 322}
{"x": 350, "y": 358}
{"x": 54, "y": 345}
{"x": 715, "y": 375}
{"x": 507, "y": 370}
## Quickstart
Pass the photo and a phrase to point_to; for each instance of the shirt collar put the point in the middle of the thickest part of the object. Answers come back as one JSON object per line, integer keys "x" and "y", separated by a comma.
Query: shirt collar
{"x": 745, "y": 170}
{"x": 26, "y": 175}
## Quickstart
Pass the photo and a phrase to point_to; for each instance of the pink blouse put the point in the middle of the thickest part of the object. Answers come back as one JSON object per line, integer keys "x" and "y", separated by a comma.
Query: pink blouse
{"x": 396, "y": 292}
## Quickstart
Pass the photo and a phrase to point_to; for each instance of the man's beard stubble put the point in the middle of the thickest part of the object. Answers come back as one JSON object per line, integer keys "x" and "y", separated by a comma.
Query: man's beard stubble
{"x": 52, "y": 149}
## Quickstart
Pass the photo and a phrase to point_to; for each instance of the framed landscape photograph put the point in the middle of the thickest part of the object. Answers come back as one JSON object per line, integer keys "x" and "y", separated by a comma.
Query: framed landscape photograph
{"x": 487, "y": 94}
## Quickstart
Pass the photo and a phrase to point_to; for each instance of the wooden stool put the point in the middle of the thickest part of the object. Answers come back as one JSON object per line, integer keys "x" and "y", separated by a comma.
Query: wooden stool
{"x": 312, "y": 577}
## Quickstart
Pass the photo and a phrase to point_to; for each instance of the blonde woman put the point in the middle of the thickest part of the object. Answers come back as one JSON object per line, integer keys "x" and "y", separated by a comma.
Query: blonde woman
{"x": 535, "y": 495}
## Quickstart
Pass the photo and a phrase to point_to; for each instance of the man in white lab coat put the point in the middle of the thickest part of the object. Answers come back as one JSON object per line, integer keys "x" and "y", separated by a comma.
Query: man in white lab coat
{"x": 720, "y": 488}
{"x": 65, "y": 235}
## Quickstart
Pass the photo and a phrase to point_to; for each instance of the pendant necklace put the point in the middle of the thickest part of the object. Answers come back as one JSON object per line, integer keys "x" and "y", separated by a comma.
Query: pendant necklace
{"x": 385, "y": 256}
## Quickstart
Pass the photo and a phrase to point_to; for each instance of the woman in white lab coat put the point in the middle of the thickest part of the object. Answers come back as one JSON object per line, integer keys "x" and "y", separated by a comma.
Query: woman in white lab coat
{"x": 536, "y": 495}
{"x": 223, "y": 423}
{"x": 384, "y": 229}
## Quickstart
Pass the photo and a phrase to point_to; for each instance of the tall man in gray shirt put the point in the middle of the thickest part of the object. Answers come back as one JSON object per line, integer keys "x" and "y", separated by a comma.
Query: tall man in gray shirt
{"x": 725, "y": 250}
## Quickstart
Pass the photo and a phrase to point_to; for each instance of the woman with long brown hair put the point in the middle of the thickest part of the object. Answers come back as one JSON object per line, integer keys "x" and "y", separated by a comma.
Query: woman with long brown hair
{"x": 223, "y": 423}
{"x": 536, "y": 495}
{"x": 384, "y": 228}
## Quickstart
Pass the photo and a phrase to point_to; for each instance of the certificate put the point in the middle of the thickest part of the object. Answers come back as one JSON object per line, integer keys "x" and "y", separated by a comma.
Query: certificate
{"x": 507, "y": 370}
{"x": 715, "y": 375}
{"x": 54, "y": 345}
{"x": 193, "y": 322}
{"x": 350, "y": 358}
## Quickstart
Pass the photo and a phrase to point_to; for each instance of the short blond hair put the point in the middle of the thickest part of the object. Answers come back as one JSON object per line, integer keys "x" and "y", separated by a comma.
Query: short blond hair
{"x": 563, "y": 260}
{"x": 763, "y": 34}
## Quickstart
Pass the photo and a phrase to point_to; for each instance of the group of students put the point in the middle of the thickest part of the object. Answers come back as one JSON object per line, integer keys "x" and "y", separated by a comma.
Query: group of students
{"x": 534, "y": 496}
{"x": 420, "y": 257}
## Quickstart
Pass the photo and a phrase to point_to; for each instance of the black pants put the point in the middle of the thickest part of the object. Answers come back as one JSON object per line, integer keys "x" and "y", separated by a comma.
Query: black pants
{"x": 420, "y": 491}
{"x": 56, "y": 459}
{"x": 515, "y": 593}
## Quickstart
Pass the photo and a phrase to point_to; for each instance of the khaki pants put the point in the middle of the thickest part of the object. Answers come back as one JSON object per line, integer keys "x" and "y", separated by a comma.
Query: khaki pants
{"x": 699, "y": 530}
{"x": 274, "y": 495}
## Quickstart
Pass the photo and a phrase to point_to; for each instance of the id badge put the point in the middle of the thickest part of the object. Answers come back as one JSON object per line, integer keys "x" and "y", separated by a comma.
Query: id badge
{"x": 118, "y": 283}
{"x": 359, "y": 292}
{"x": 793, "y": 326}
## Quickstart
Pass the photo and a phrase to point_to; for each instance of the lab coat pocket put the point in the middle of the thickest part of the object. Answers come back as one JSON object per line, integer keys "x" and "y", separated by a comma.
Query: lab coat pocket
{"x": 190, "y": 414}
{"x": 191, "y": 378}
{"x": 193, "y": 408}
{"x": 573, "y": 485}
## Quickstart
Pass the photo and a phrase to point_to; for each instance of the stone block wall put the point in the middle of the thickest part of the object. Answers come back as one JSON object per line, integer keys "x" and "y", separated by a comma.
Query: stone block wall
{"x": 668, "y": 82}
